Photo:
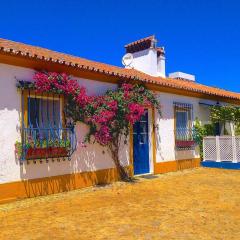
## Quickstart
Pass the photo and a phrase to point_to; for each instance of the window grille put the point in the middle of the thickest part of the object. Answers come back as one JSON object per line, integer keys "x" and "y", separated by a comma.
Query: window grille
{"x": 183, "y": 105}
{"x": 44, "y": 133}
{"x": 184, "y": 139}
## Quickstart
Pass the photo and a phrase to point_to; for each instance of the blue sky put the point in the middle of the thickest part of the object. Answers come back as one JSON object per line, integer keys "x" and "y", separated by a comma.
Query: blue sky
{"x": 201, "y": 37}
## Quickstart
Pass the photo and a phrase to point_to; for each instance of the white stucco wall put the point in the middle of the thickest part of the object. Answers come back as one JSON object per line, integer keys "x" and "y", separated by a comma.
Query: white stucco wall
{"x": 92, "y": 158}
{"x": 165, "y": 140}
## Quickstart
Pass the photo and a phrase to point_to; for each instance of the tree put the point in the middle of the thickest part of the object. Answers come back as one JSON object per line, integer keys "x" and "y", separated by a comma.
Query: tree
{"x": 224, "y": 114}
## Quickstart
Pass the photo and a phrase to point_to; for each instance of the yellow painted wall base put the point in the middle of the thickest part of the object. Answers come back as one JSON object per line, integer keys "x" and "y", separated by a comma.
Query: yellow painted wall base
{"x": 173, "y": 166}
{"x": 56, "y": 184}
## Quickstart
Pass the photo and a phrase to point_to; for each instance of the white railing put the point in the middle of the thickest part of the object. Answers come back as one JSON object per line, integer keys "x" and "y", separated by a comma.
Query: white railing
{"x": 221, "y": 149}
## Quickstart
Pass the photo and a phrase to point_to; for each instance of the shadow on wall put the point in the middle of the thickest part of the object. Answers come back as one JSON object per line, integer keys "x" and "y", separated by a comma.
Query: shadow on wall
{"x": 10, "y": 98}
{"x": 88, "y": 166}
{"x": 10, "y": 108}
{"x": 187, "y": 154}
{"x": 57, "y": 184}
{"x": 161, "y": 122}
{"x": 159, "y": 143}
{"x": 45, "y": 186}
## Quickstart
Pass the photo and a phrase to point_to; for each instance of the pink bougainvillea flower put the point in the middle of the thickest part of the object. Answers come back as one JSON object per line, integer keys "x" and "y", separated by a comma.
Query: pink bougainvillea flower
{"x": 82, "y": 99}
{"x": 113, "y": 105}
{"x": 104, "y": 116}
{"x": 46, "y": 82}
{"x": 103, "y": 136}
{"x": 135, "y": 112}
{"x": 127, "y": 86}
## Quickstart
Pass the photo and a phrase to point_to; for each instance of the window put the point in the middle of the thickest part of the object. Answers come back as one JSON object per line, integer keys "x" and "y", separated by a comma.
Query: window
{"x": 42, "y": 112}
{"x": 182, "y": 119}
{"x": 183, "y": 125}
{"x": 44, "y": 134}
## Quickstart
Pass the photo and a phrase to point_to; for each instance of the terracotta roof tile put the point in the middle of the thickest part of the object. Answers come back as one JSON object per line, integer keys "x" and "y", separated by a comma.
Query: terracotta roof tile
{"x": 146, "y": 39}
{"x": 185, "y": 84}
{"x": 20, "y": 49}
{"x": 140, "y": 44}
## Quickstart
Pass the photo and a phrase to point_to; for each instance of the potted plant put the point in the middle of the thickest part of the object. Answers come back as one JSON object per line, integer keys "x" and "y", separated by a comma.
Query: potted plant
{"x": 185, "y": 143}
{"x": 43, "y": 149}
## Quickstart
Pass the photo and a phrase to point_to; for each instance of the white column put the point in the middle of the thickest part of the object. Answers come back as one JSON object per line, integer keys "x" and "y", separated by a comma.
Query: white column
{"x": 218, "y": 149}
{"x": 234, "y": 149}
{"x": 204, "y": 149}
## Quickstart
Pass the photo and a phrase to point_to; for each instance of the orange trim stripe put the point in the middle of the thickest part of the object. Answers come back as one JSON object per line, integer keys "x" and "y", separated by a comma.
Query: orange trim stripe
{"x": 55, "y": 184}
{"x": 173, "y": 166}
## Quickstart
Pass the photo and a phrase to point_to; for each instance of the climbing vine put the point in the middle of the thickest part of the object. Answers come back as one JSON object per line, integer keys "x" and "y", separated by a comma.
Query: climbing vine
{"x": 109, "y": 116}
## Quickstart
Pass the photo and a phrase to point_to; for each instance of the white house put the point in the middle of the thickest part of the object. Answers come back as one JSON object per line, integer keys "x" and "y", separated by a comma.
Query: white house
{"x": 165, "y": 142}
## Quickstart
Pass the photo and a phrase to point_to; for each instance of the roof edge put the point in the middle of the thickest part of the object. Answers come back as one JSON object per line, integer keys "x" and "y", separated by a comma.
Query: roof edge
{"x": 20, "y": 50}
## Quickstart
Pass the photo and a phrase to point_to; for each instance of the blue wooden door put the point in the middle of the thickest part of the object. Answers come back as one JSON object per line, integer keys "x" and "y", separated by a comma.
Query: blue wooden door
{"x": 141, "y": 145}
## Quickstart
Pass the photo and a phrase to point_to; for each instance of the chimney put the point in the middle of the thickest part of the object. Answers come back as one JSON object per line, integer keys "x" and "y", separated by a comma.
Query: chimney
{"x": 161, "y": 62}
{"x": 147, "y": 57}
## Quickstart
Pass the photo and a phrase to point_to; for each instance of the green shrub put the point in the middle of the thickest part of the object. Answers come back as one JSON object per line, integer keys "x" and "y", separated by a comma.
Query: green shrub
{"x": 201, "y": 131}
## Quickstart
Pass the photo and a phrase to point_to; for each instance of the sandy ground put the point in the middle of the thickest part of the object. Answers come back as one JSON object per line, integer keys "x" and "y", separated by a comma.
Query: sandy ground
{"x": 193, "y": 204}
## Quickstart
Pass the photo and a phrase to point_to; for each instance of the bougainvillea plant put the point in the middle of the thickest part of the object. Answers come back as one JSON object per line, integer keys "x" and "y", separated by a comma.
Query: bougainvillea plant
{"x": 109, "y": 116}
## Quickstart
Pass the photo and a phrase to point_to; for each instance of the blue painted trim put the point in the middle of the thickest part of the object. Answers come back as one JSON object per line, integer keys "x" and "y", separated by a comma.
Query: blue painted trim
{"x": 224, "y": 165}
{"x": 141, "y": 164}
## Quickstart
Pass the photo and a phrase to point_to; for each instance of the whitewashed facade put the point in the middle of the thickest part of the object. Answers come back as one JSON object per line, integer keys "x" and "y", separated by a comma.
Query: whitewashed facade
{"x": 93, "y": 157}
